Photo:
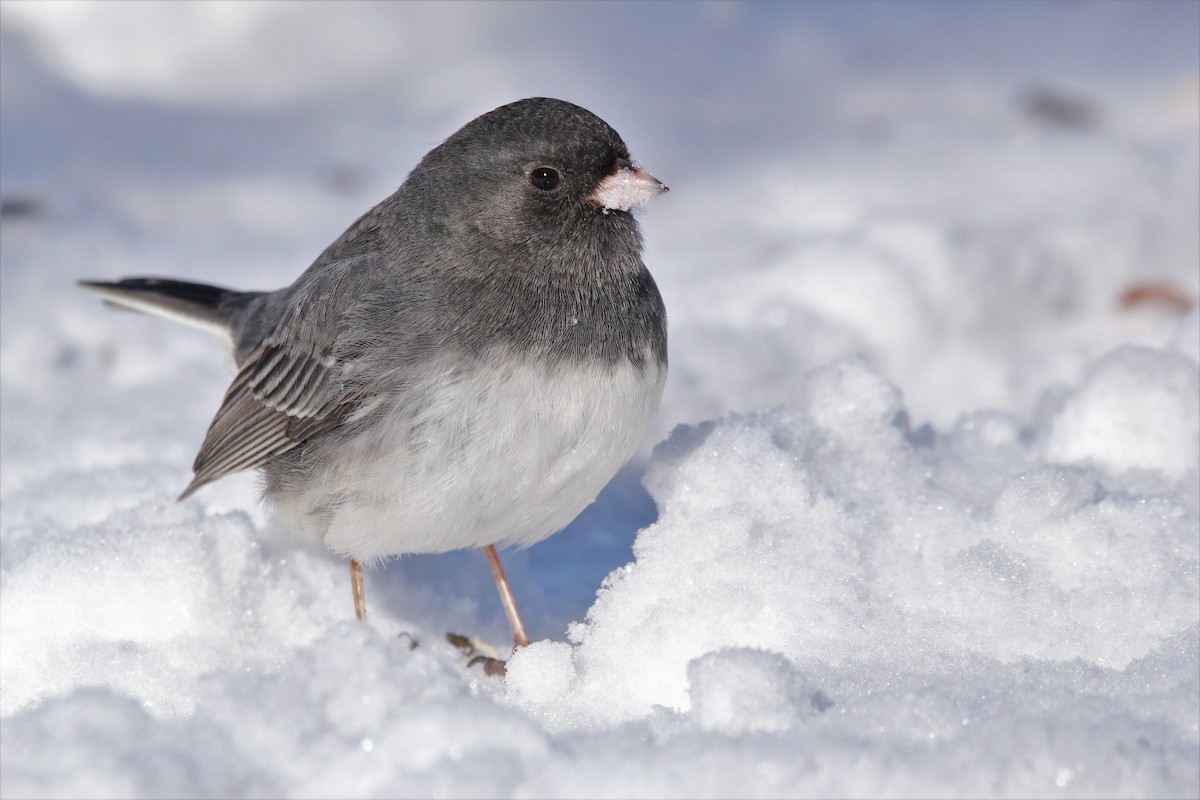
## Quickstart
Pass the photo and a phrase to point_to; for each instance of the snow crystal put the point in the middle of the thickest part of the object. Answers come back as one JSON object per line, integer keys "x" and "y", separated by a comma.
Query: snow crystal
{"x": 626, "y": 189}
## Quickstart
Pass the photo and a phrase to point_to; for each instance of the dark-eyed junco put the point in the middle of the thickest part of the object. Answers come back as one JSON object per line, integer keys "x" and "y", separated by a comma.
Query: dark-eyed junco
{"x": 466, "y": 366}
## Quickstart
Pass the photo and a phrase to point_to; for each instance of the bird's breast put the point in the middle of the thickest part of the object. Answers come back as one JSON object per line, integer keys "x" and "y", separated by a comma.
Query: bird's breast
{"x": 496, "y": 449}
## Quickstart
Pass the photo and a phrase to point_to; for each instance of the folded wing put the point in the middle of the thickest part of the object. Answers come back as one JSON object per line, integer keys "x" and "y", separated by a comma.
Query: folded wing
{"x": 280, "y": 397}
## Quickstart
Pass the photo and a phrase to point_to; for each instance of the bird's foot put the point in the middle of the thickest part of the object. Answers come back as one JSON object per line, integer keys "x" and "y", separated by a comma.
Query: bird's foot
{"x": 491, "y": 666}
{"x": 478, "y": 652}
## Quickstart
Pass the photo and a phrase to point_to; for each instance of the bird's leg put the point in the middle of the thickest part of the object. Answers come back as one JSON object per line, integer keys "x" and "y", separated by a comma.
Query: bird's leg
{"x": 520, "y": 637}
{"x": 360, "y": 597}
{"x": 491, "y": 664}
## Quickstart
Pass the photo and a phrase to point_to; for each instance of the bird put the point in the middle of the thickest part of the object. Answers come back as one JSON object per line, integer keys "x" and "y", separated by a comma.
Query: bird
{"x": 466, "y": 366}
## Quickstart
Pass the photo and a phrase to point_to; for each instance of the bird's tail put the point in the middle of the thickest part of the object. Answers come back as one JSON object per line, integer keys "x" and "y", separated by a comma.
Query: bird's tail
{"x": 209, "y": 308}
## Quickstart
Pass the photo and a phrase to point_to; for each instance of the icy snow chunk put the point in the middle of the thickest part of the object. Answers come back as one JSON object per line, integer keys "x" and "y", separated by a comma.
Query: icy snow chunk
{"x": 1137, "y": 409}
{"x": 540, "y": 674}
{"x": 744, "y": 690}
{"x": 626, "y": 188}
{"x": 851, "y": 401}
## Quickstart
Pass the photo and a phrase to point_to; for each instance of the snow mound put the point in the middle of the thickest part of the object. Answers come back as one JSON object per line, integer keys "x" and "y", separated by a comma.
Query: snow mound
{"x": 836, "y": 538}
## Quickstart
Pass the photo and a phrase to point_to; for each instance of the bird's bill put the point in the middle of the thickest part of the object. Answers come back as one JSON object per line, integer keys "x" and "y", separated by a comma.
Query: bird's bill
{"x": 625, "y": 187}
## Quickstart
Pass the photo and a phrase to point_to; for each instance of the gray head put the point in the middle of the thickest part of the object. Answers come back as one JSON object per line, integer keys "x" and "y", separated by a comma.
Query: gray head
{"x": 532, "y": 172}
{"x": 539, "y": 132}
{"x": 524, "y": 217}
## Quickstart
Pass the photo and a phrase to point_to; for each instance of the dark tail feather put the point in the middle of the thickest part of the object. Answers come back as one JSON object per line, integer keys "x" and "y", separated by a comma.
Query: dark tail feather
{"x": 210, "y": 308}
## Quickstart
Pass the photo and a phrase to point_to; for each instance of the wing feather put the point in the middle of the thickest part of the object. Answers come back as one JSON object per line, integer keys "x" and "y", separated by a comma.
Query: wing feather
{"x": 291, "y": 386}
{"x": 280, "y": 397}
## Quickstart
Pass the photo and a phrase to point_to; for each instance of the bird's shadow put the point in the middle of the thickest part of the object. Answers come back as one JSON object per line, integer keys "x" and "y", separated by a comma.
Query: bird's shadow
{"x": 555, "y": 581}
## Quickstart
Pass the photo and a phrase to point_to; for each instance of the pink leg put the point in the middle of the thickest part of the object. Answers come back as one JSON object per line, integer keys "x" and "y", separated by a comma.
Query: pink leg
{"x": 520, "y": 638}
{"x": 360, "y": 597}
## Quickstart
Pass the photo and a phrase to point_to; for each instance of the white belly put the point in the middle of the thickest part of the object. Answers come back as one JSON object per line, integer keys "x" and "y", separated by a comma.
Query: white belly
{"x": 505, "y": 456}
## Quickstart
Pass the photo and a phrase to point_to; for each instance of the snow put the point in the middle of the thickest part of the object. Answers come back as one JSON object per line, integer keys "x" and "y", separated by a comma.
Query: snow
{"x": 627, "y": 189}
{"x": 919, "y": 516}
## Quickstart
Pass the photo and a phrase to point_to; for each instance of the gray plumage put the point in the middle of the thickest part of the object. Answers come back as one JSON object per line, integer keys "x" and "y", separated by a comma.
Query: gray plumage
{"x": 474, "y": 340}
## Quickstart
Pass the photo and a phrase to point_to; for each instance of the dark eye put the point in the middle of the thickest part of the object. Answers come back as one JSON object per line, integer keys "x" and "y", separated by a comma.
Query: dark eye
{"x": 544, "y": 178}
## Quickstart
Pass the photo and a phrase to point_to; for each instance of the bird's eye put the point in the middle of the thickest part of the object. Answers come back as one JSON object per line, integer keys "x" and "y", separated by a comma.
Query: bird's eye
{"x": 544, "y": 178}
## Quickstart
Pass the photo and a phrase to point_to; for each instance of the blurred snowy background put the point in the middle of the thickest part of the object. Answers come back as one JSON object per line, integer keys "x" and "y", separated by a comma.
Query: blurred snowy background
{"x": 930, "y": 527}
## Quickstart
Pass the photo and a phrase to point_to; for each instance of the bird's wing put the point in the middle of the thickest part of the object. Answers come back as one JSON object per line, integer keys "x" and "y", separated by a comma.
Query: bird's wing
{"x": 281, "y": 396}
{"x": 294, "y": 383}
{"x": 290, "y": 387}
